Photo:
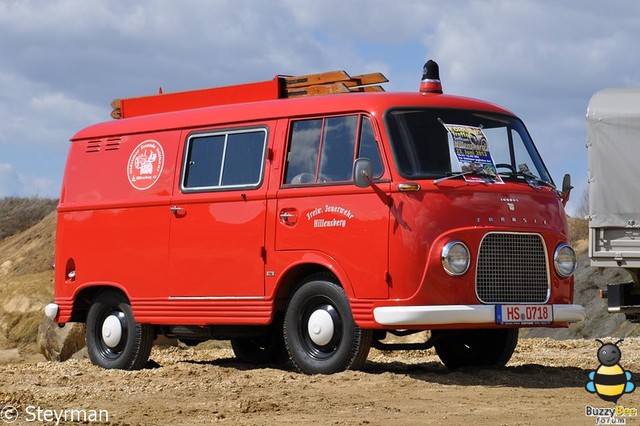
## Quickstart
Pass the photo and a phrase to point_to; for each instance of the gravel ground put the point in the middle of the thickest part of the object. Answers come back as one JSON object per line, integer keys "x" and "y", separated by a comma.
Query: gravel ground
{"x": 542, "y": 384}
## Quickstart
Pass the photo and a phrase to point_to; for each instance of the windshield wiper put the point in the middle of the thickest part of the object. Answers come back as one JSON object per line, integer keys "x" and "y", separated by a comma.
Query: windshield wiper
{"x": 484, "y": 175}
{"x": 533, "y": 180}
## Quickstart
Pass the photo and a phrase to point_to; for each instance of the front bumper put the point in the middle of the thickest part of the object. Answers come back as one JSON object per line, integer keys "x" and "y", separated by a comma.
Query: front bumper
{"x": 460, "y": 314}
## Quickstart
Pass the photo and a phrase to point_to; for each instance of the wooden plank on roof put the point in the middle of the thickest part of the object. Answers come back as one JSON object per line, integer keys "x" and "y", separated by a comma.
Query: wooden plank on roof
{"x": 368, "y": 89}
{"x": 367, "y": 79}
{"x": 320, "y": 89}
{"x": 116, "y": 112}
{"x": 316, "y": 79}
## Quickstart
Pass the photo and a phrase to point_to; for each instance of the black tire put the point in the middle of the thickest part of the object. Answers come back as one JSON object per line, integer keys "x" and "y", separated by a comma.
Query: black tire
{"x": 475, "y": 348}
{"x": 110, "y": 315}
{"x": 338, "y": 343}
{"x": 267, "y": 348}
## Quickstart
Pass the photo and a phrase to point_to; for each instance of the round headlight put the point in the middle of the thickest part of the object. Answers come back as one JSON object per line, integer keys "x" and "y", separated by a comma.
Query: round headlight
{"x": 565, "y": 261}
{"x": 455, "y": 258}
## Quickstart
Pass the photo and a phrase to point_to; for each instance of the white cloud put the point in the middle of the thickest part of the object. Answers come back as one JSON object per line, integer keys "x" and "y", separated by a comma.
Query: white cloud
{"x": 381, "y": 22}
{"x": 531, "y": 46}
{"x": 14, "y": 184}
{"x": 9, "y": 181}
{"x": 33, "y": 115}
{"x": 38, "y": 186}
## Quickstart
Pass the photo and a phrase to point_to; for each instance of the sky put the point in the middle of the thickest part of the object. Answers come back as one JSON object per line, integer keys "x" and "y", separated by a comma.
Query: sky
{"x": 63, "y": 61}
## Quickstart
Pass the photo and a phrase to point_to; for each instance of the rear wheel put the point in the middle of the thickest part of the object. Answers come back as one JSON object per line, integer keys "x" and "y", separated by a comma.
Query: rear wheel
{"x": 114, "y": 339}
{"x": 319, "y": 331}
{"x": 463, "y": 348}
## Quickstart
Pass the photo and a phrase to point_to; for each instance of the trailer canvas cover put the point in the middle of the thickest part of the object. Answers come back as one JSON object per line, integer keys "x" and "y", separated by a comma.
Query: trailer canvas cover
{"x": 613, "y": 143}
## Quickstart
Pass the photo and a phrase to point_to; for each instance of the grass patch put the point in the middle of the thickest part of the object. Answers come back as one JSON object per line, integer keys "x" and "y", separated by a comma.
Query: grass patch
{"x": 19, "y": 214}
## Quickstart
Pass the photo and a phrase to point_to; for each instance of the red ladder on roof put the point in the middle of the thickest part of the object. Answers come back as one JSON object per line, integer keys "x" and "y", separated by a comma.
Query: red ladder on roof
{"x": 280, "y": 87}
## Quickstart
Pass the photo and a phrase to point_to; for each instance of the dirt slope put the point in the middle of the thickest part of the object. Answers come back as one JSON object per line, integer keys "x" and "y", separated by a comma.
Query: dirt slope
{"x": 26, "y": 282}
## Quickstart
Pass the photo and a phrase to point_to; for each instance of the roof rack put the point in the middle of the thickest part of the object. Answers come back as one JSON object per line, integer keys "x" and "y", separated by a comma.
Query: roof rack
{"x": 280, "y": 87}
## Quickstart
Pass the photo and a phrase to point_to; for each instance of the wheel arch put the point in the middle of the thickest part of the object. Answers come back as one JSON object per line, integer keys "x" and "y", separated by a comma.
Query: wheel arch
{"x": 296, "y": 272}
{"x": 85, "y": 295}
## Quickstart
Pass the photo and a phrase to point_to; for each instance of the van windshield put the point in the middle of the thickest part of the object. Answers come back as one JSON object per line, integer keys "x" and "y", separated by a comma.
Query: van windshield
{"x": 433, "y": 143}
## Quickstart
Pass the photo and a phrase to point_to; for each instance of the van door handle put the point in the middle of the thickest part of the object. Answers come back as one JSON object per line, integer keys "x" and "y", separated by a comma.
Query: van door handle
{"x": 178, "y": 211}
{"x": 289, "y": 216}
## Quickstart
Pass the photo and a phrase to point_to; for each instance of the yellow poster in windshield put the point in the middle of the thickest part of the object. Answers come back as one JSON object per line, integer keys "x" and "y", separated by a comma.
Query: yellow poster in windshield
{"x": 472, "y": 151}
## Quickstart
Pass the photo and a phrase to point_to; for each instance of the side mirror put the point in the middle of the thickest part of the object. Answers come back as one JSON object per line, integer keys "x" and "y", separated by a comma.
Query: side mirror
{"x": 566, "y": 183}
{"x": 362, "y": 172}
{"x": 566, "y": 189}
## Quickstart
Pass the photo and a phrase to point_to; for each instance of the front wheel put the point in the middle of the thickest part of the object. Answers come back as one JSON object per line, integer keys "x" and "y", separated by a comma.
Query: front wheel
{"x": 483, "y": 347}
{"x": 114, "y": 339}
{"x": 319, "y": 331}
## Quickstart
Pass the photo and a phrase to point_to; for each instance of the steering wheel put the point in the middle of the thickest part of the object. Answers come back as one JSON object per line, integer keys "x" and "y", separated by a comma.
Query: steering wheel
{"x": 506, "y": 166}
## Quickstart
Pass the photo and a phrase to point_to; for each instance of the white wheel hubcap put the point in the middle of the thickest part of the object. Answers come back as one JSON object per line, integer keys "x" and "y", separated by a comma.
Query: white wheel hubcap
{"x": 111, "y": 331}
{"x": 320, "y": 327}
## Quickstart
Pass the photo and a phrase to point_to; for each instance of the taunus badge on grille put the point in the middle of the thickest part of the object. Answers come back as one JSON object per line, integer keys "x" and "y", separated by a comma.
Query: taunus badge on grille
{"x": 511, "y": 205}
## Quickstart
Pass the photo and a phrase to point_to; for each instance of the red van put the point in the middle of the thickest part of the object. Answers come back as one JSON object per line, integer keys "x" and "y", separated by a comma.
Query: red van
{"x": 309, "y": 228}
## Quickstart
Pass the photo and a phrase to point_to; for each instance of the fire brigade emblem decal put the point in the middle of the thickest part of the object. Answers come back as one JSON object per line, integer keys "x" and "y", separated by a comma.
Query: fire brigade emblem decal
{"x": 145, "y": 164}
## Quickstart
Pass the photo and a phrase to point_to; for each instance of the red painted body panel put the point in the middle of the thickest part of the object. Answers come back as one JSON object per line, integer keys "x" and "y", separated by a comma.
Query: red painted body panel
{"x": 208, "y": 257}
{"x": 232, "y": 258}
{"x": 341, "y": 222}
{"x": 423, "y": 222}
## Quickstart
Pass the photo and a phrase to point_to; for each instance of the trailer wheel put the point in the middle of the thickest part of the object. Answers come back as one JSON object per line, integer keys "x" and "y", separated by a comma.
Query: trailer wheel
{"x": 114, "y": 339}
{"x": 319, "y": 331}
{"x": 267, "y": 348}
{"x": 484, "y": 347}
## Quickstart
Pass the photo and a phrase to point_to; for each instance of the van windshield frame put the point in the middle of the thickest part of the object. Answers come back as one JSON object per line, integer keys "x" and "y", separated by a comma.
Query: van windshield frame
{"x": 423, "y": 148}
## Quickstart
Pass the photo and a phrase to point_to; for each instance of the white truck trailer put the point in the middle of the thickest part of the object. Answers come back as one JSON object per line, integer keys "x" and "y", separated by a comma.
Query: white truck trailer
{"x": 613, "y": 146}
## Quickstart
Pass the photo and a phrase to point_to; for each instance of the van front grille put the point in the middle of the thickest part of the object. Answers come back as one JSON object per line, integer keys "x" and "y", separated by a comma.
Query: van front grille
{"x": 512, "y": 268}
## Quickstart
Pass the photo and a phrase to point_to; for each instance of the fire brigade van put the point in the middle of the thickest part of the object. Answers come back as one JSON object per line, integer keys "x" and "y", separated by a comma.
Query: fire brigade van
{"x": 306, "y": 219}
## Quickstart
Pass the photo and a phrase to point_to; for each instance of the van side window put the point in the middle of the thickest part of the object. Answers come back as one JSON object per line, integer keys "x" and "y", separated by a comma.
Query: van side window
{"x": 338, "y": 146}
{"x": 323, "y": 150}
{"x": 224, "y": 160}
{"x": 303, "y": 151}
{"x": 369, "y": 147}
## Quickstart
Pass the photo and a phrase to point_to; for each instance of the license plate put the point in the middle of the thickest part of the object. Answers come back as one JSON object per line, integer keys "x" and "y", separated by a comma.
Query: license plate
{"x": 524, "y": 314}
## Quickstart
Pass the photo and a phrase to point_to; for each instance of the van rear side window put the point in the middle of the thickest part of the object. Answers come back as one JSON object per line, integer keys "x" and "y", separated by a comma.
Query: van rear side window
{"x": 224, "y": 160}
{"x": 323, "y": 149}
